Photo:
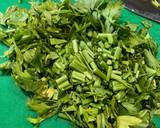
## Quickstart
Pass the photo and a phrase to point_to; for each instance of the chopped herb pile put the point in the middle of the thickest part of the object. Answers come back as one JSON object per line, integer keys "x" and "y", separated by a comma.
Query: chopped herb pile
{"x": 79, "y": 63}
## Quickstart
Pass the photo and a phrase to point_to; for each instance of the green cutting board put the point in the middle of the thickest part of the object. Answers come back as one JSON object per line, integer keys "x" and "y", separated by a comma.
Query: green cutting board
{"x": 13, "y": 109}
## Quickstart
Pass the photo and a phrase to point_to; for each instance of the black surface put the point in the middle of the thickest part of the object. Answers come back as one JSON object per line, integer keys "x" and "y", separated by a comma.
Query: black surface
{"x": 144, "y": 8}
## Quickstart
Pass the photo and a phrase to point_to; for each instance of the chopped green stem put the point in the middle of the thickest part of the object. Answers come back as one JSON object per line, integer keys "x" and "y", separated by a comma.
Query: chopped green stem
{"x": 117, "y": 72}
{"x": 59, "y": 65}
{"x": 79, "y": 59}
{"x": 107, "y": 45}
{"x": 136, "y": 67}
{"x": 77, "y": 66}
{"x": 86, "y": 61}
{"x": 101, "y": 123}
{"x": 80, "y": 110}
{"x": 104, "y": 65}
{"x": 100, "y": 43}
{"x": 88, "y": 75}
{"x": 78, "y": 76}
{"x": 93, "y": 65}
{"x": 117, "y": 53}
{"x": 75, "y": 45}
{"x": 118, "y": 86}
{"x": 105, "y": 51}
{"x": 116, "y": 65}
{"x": 97, "y": 82}
{"x": 118, "y": 78}
{"x": 61, "y": 79}
{"x": 87, "y": 56}
{"x": 126, "y": 75}
{"x": 100, "y": 73}
{"x": 109, "y": 72}
{"x": 109, "y": 36}
{"x": 63, "y": 85}
{"x": 110, "y": 56}
{"x": 137, "y": 74}
{"x": 109, "y": 62}
{"x": 138, "y": 88}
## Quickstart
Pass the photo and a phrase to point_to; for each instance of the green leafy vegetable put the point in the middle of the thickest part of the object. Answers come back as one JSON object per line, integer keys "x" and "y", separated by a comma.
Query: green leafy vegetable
{"x": 79, "y": 63}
